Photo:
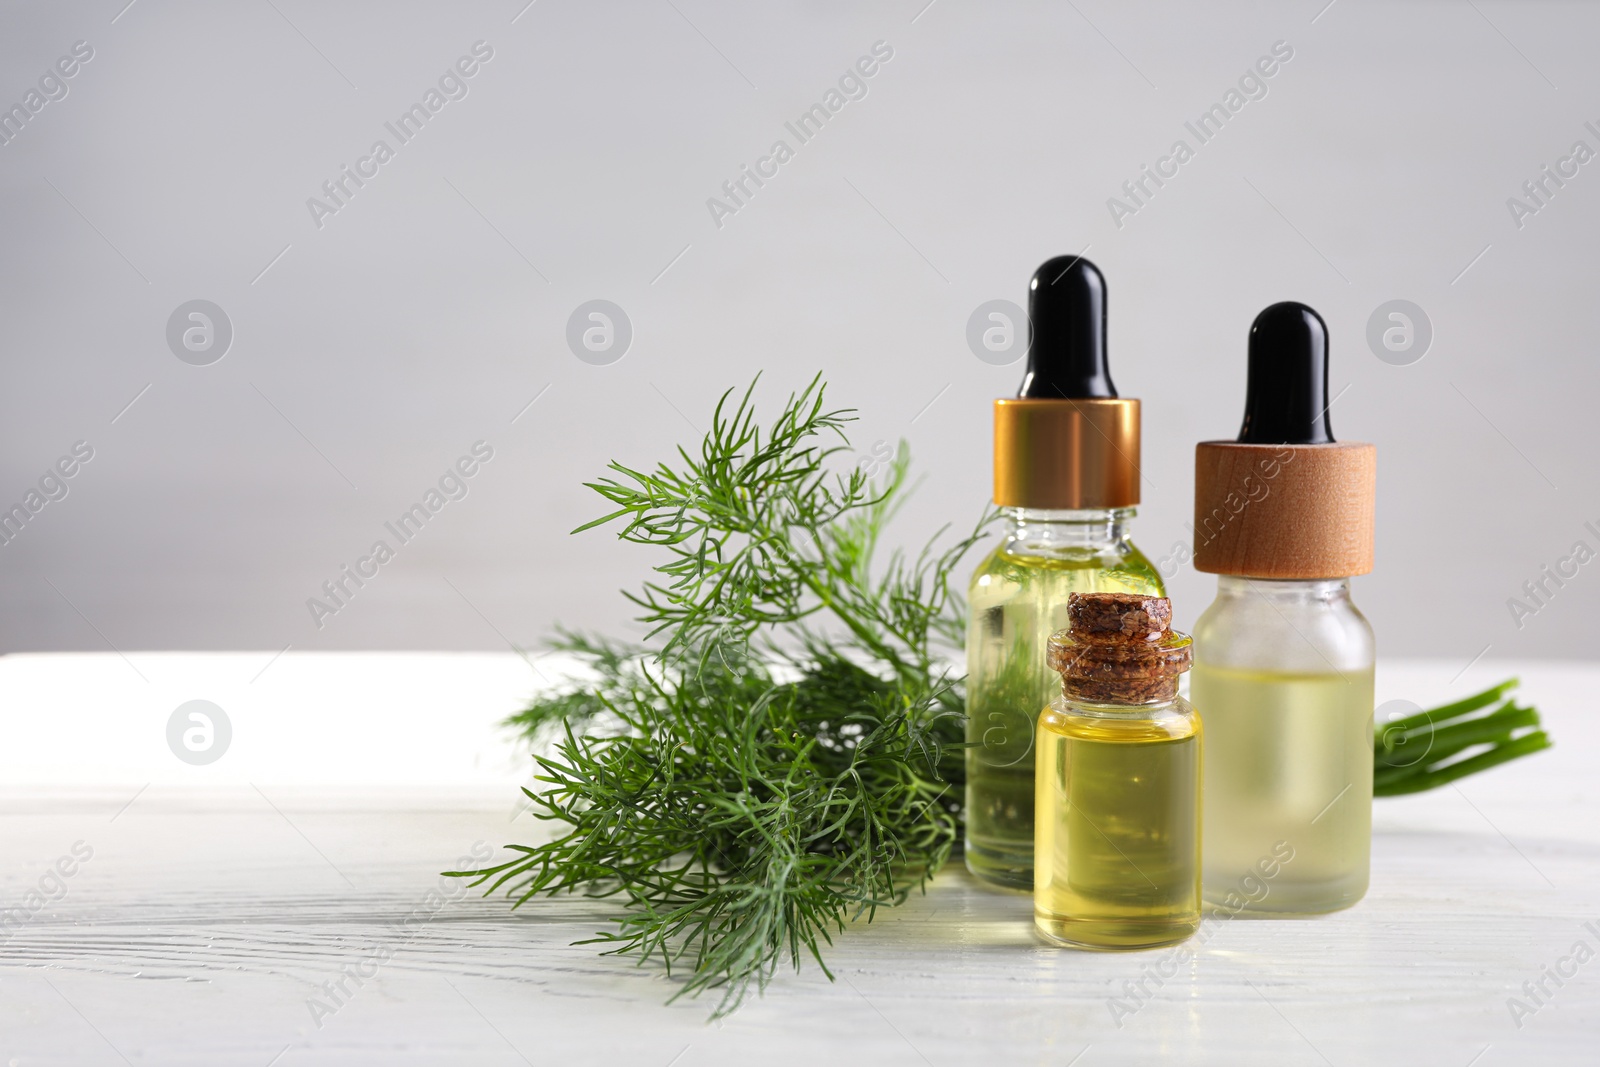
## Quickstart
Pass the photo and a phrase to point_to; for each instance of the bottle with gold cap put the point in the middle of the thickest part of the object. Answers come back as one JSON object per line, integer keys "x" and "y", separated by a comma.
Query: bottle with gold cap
{"x": 1282, "y": 659}
{"x": 1066, "y": 476}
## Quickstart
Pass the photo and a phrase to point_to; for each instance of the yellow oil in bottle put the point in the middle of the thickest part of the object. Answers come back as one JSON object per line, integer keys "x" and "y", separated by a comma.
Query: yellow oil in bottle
{"x": 1016, "y": 601}
{"x": 1288, "y": 758}
{"x": 1117, "y": 839}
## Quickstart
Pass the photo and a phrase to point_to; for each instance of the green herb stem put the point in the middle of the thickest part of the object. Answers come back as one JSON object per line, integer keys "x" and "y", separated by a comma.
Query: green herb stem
{"x": 1449, "y": 711}
{"x": 1445, "y": 741}
{"x": 1494, "y": 757}
{"x": 1421, "y": 751}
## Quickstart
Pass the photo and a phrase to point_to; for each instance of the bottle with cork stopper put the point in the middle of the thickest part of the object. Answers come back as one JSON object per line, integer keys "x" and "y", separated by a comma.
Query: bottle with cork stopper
{"x": 1066, "y": 478}
{"x": 1117, "y": 827}
{"x": 1283, "y": 661}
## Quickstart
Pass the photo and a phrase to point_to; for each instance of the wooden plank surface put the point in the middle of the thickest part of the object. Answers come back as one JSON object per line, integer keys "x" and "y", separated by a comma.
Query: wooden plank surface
{"x": 213, "y": 926}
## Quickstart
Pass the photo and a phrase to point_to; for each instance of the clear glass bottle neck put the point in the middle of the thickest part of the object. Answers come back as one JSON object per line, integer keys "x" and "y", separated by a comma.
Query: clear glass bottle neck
{"x": 1285, "y": 590}
{"x": 1119, "y": 709}
{"x": 1043, "y": 530}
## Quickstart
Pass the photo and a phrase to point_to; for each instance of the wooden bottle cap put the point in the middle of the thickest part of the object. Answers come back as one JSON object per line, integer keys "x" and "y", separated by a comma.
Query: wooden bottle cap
{"x": 1284, "y": 511}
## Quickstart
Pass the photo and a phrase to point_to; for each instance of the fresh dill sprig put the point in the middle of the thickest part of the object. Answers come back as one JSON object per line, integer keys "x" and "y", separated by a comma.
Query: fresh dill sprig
{"x": 786, "y": 756}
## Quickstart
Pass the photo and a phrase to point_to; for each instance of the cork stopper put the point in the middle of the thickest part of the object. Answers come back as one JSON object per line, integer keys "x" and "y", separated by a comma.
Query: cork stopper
{"x": 1118, "y": 648}
{"x": 1090, "y": 615}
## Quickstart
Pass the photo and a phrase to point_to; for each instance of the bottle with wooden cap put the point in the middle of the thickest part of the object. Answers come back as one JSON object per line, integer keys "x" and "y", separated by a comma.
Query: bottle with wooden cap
{"x": 1066, "y": 476}
{"x": 1117, "y": 826}
{"x": 1283, "y": 660}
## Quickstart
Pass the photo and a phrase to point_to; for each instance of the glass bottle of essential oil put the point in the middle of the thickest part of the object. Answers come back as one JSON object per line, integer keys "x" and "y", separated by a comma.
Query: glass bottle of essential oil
{"x": 1117, "y": 830}
{"x": 1067, "y": 479}
{"x": 1283, "y": 660}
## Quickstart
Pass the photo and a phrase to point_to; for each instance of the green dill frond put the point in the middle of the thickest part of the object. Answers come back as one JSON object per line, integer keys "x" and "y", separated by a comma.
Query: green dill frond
{"x": 784, "y": 754}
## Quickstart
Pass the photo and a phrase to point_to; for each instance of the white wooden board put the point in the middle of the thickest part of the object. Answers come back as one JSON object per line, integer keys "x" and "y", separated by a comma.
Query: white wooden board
{"x": 211, "y": 915}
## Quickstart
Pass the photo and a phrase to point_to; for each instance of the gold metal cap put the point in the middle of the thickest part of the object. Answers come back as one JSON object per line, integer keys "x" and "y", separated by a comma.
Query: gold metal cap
{"x": 1066, "y": 454}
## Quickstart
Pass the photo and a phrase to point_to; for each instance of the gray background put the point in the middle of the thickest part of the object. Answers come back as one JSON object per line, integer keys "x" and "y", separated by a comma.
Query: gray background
{"x": 433, "y": 307}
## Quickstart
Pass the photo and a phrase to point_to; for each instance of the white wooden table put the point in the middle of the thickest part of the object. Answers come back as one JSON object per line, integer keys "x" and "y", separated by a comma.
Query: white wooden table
{"x": 225, "y": 901}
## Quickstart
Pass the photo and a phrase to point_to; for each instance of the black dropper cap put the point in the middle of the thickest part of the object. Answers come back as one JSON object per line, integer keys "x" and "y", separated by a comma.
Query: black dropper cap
{"x": 1067, "y": 332}
{"x": 1286, "y": 402}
